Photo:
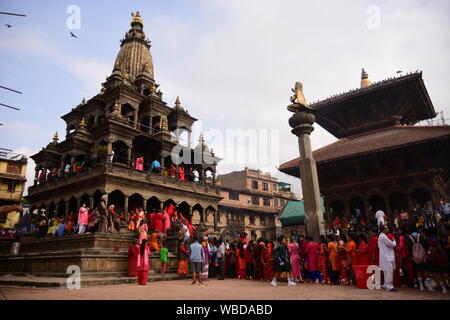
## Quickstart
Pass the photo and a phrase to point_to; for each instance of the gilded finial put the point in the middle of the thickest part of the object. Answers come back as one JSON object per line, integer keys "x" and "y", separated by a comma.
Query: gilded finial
{"x": 82, "y": 123}
{"x": 55, "y": 138}
{"x": 83, "y": 101}
{"x": 365, "y": 82}
{"x": 298, "y": 99}
{"x": 137, "y": 18}
{"x": 177, "y": 102}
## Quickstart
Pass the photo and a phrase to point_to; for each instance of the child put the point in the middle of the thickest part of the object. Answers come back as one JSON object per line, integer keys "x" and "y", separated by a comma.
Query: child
{"x": 163, "y": 254}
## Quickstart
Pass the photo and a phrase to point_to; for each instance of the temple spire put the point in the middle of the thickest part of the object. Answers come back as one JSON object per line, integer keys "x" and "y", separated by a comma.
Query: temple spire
{"x": 365, "y": 82}
{"x": 137, "y": 19}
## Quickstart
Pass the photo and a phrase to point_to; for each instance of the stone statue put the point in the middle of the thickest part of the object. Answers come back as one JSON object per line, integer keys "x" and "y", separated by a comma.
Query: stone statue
{"x": 298, "y": 96}
{"x": 174, "y": 230}
{"x": 227, "y": 235}
{"x": 163, "y": 123}
{"x": 146, "y": 67}
{"x": 200, "y": 232}
{"x": 117, "y": 65}
{"x": 298, "y": 99}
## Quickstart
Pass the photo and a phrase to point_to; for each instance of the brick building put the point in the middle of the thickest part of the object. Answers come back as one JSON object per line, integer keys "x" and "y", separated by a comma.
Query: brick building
{"x": 252, "y": 201}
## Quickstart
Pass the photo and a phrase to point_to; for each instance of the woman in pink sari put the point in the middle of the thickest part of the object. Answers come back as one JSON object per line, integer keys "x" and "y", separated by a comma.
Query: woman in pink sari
{"x": 294, "y": 259}
{"x": 139, "y": 163}
{"x": 143, "y": 263}
{"x": 166, "y": 221}
{"x": 82, "y": 218}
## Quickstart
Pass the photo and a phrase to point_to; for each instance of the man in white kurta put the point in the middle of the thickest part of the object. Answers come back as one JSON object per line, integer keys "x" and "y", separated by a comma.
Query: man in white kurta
{"x": 379, "y": 215}
{"x": 387, "y": 258}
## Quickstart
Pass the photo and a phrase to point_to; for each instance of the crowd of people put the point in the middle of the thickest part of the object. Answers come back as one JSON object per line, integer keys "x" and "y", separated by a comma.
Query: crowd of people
{"x": 410, "y": 253}
{"x": 411, "y": 249}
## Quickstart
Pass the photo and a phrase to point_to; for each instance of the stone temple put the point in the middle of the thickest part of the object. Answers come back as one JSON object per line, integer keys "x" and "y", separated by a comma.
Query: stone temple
{"x": 127, "y": 120}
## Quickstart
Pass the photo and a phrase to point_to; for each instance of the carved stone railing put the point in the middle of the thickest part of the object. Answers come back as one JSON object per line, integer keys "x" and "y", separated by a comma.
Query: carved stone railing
{"x": 126, "y": 172}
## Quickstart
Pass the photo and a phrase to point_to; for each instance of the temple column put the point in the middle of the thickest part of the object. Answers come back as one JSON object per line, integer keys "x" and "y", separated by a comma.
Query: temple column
{"x": 95, "y": 121}
{"x": 150, "y": 124}
{"x": 135, "y": 119}
{"x": 91, "y": 202}
{"x": 302, "y": 123}
{"x": 36, "y": 175}
{"x": 328, "y": 213}
{"x": 125, "y": 206}
{"x": 189, "y": 139}
{"x": 129, "y": 156}
{"x": 410, "y": 200}
{"x": 67, "y": 207}
{"x": 366, "y": 209}
{"x": 109, "y": 151}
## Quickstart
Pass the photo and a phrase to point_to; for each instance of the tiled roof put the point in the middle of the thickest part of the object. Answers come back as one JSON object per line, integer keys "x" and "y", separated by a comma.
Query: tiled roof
{"x": 374, "y": 141}
{"x": 360, "y": 91}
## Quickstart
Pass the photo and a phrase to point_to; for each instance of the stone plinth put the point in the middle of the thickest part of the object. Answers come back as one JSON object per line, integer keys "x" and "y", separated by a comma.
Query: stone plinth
{"x": 93, "y": 253}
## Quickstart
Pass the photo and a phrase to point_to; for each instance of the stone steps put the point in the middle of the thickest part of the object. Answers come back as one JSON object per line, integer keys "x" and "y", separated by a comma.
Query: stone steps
{"x": 86, "y": 281}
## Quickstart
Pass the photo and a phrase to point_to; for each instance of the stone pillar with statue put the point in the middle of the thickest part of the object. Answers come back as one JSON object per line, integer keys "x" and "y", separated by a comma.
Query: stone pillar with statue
{"x": 302, "y": 125}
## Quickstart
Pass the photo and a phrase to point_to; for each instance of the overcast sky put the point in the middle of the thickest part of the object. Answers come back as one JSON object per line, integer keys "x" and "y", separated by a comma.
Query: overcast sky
{"x": 232, "y": 62}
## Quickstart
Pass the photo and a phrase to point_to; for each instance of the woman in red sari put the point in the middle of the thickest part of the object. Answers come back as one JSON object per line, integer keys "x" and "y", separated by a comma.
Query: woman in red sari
{"x": 181, "y": 173}
{"x": 406, "y": 259}
{"x": 143, "y": 263}
{"x": 158, "y": 217}
{"x": 240, "y": 261}
{"x": 363, "y": 255}
{"x": 342, "y": 255}
{"x": 372, "y": 249}
{"x": 323, "y": 260}
{"x": 182, "y": 259}
{"x": 268, "y": 266}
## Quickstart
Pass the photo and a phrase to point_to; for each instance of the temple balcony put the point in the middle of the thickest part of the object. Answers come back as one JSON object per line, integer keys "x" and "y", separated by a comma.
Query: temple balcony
{"x": 122, "y": 171}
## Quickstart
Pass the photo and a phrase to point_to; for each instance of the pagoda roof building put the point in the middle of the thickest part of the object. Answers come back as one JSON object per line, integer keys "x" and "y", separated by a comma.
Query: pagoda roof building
{"x": 383, "y": 158}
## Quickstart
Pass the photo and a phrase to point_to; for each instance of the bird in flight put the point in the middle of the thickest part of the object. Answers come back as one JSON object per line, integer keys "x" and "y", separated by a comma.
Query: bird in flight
{"x": 8, "y": 25}
{"x": 72, "y": 35}
{"x": 399, "y": 71}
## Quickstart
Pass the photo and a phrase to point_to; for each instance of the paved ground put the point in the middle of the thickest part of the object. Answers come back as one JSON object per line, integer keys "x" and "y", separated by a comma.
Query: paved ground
{"x": 230, "y": 289}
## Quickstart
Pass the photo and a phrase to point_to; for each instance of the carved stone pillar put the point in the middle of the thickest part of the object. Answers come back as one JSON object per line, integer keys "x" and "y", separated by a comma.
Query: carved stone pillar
{"x": 302, "y": 123}
{"x": 135, "y": 119}
{"x": 366, "y": 209}
{"x": 109, "y": 152}
{"x": 150, "y": 124}
{"x": 125, "y": 206}
{"x": 129, "y": 156}
{"x": 91, "y": 202}
{"x": 189, "y": 139}
{"x": 409, "y": 198}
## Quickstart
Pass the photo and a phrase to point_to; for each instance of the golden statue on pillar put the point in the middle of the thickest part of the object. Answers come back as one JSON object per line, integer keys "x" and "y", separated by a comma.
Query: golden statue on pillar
{"x": 298, "y": 99}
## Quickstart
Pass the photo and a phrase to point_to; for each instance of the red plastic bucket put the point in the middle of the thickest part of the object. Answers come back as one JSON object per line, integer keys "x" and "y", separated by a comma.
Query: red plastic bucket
{"x": 361, "y": 275}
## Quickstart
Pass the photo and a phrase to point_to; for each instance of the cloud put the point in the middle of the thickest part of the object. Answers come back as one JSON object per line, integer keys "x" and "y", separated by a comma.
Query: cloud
{"x": 237, "y": 73}
{"x": 90, "y": 71}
